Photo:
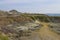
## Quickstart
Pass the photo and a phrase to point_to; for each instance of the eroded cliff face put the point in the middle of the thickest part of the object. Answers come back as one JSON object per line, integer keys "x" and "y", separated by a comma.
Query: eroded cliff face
{"x": 15, "y": 25}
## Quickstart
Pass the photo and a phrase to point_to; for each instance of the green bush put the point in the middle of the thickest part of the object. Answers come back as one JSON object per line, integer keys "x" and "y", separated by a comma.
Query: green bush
{"x": 2, "y": 37}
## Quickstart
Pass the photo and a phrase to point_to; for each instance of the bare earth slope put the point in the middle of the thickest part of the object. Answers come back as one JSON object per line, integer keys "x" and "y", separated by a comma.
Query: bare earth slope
{"x": 44, "y": 33}
{"x": 47, "y": 34}
{"x": 15, "y": 25}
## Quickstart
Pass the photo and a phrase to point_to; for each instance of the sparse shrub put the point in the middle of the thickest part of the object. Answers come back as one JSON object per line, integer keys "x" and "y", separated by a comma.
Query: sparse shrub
{"x": 2, "y": 37}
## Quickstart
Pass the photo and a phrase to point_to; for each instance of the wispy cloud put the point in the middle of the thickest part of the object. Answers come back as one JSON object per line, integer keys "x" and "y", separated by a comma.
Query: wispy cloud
{"x": 22, "y": 1}
{"x": 44, "y": 6}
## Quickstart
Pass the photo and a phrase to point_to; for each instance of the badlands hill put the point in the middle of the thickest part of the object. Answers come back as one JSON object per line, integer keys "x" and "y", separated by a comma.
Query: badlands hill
{"x": 16, "y": 25}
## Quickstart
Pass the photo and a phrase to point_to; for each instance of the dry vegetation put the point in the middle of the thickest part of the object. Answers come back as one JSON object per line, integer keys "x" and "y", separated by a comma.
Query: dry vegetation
{"x": 15, "y": 25}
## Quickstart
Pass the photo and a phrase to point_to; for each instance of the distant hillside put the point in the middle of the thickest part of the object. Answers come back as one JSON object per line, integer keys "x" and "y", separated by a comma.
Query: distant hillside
{"x": 12, "y": 16}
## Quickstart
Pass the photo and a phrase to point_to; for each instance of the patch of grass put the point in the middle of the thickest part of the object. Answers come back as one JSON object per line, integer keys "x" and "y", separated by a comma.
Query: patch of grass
{"x": 2, "y": 37}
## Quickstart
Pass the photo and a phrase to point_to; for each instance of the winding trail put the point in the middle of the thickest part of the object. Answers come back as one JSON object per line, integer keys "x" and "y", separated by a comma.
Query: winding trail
{"x": 47, "y": 34}
{"x": 44, "y": 33}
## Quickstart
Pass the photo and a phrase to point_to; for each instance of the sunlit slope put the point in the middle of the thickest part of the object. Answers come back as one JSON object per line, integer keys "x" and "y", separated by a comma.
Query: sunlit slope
{"x": 46, "y": 34}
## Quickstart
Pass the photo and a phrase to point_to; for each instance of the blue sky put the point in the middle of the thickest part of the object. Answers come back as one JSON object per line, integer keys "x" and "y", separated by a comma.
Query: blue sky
{"x": 38, "y": 6}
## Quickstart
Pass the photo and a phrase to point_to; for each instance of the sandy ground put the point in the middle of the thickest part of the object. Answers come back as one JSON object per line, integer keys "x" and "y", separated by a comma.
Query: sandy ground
{"x": 47, "y": 34}
{"x": 33, "y": 36}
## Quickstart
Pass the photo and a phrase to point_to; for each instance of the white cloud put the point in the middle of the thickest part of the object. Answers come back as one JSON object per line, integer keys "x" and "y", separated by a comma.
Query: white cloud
{"x": 26, "y": 1}
{"x": 21, "y": 1}
{"x": 53, "y": 8}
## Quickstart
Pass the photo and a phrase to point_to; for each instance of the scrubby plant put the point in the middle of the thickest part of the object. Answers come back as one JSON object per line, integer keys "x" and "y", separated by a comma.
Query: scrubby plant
{"x": 3, "y": 37}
